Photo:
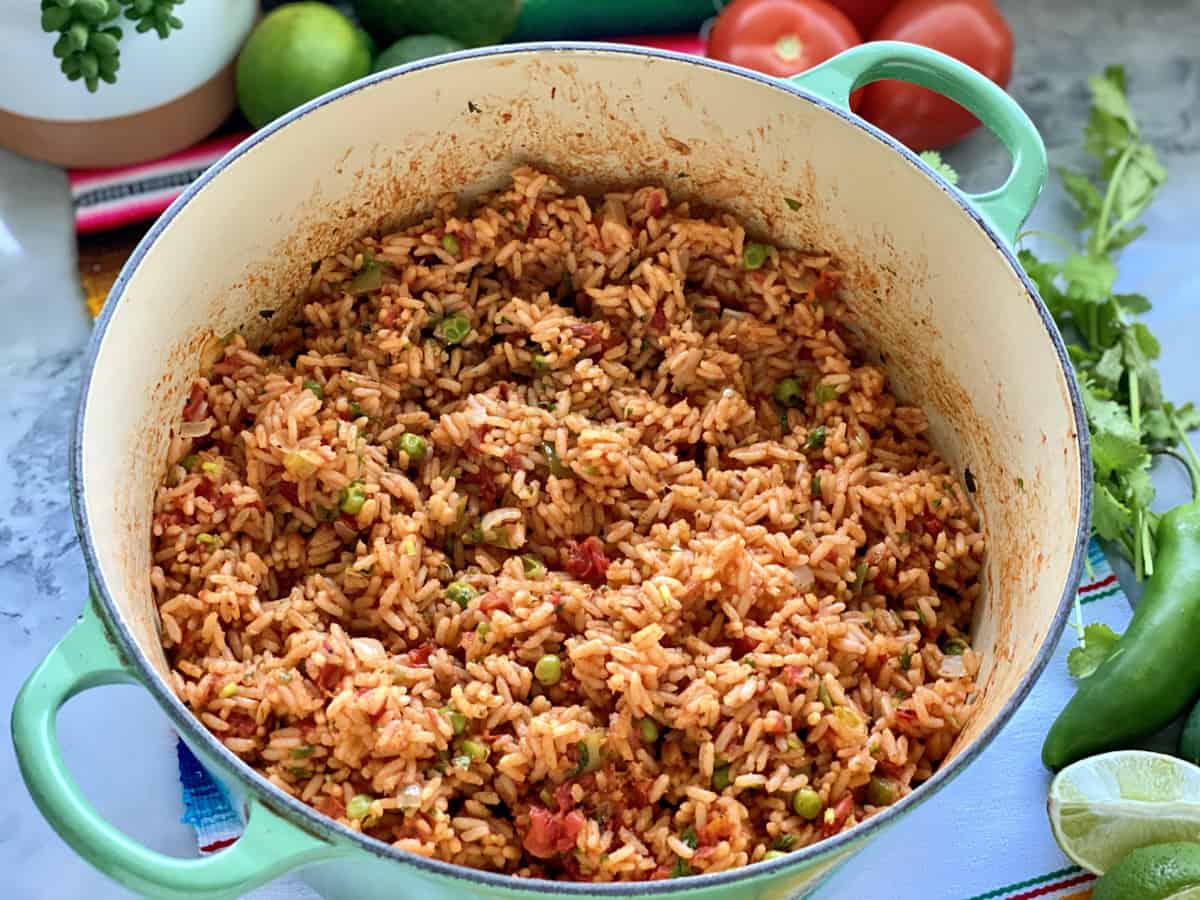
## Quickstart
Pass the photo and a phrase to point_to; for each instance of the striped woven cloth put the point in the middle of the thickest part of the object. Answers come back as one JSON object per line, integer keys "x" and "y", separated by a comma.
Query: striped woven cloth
{"x": 983, "y": 837}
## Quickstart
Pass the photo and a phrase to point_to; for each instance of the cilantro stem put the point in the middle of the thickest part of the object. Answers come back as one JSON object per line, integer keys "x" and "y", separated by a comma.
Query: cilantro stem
{"x": 1147, "y": 544}
{"x": 1137, "y": 545}
{"x": 1135, "y": 406}
{"x": 1100, "y": 236}
{"x": 1193, "y": 462}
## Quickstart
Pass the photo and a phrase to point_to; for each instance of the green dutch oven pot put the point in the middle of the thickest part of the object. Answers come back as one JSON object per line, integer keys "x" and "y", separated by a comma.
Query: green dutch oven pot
{"x": 934, "y": 282}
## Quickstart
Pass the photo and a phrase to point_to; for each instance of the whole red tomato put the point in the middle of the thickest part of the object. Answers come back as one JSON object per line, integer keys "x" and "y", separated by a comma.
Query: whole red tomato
{"x": 864, "y": 14}
{"x": 972, "y": 31}
{"x": 780, "y": 37}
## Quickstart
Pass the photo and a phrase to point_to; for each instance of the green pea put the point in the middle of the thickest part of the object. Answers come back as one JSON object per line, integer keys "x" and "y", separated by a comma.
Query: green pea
{"x": 754, "y": 255}
{"x": 648, "y": 731}
{"x": 414, "y": 447}
{"x": 806, "y": 803}
{"x": 548, "y": 670}
{"x": 881, "y": 791}
{"x": 450, "y": 245}
{"x": 789, "y": 392}
{"x": 461, "y": 593}
{"x": 452, "y": 329}
{"x": 825, "y": 392}
{"x": 475, "y": 751}
{"x": 352, "y": 499}
{"x": 720, "y": 778}
{"x": 358, "y": 807}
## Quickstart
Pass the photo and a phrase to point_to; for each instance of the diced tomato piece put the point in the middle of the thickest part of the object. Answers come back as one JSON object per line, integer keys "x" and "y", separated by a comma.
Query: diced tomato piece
{"x": 933, "y": 525}
{"x": 715, "y": 830}
{"x": 550, "y": 833}
{"x": 242, "y": 725}
{"x": 585, "y": 560}
{"x": 192, "y": 410}
{"x": 793, "y": 675}
{"x": 492, "y": 600}
{"x": 841, "y": 811}
{"x": 419, "y": 655}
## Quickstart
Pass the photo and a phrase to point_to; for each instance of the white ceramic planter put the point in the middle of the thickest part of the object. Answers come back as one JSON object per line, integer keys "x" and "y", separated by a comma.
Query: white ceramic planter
{"x": 169, "y": 93}
{"x": 933, "y": 281}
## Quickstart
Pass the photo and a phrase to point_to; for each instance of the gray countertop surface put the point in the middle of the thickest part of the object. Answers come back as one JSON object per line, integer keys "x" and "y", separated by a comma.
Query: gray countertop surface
{"x": 118, "y": 743}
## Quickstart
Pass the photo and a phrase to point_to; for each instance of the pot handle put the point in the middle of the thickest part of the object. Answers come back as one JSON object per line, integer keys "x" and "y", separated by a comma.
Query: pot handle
{"x": 85, "y": 659}
{"x": 1004, "y": 208}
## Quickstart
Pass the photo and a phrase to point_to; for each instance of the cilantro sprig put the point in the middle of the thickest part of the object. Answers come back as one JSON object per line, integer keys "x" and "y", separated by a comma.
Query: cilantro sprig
{"x": 1113, "y": 353}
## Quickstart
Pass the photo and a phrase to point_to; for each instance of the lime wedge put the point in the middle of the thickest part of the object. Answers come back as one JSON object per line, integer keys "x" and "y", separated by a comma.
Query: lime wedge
{"x": 1103, "y": 807}
{"x": 1161, "y": 872}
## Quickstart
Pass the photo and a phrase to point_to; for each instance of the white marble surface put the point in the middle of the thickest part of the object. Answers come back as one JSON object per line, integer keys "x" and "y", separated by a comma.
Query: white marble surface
{"x": 117, "y": 742}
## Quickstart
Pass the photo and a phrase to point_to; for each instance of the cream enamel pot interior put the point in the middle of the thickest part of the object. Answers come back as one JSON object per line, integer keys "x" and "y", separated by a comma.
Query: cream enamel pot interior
{"x": 933, "y": 281}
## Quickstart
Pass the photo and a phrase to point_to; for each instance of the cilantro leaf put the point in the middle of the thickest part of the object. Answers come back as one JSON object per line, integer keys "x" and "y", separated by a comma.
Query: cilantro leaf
{"x": 1089, "y": 278}
{"x": 934, "y": 160}
{"x": 1116, "y": 444}
{"x": 1080, "y": 189}
{"x": 1099, "y": 641}
{"x": 1111, "y": 518}
{"x": 1134, "y": 304}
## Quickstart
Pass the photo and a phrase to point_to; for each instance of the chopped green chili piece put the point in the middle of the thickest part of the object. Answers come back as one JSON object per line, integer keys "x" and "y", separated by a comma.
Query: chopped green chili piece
{"x": 414, "y": 447}
{"x": 211, "y": 468}
{"x": 906, "y": 659}
{"x": 481, "y": 630}
{"x": 954, "y": 647}
{"x": 452, "y": 329}
{"x": 462, "y": 761}
{"x": 823, "y": 696}
{"x": 773, "y": 854}
{"x": 648, "y": 731}
{"x": 461, "y": 593}
{"x": 532, "y": 566}
{"x": 190, "y": 462}
{"x": 352, "y": 499}
{"x": 754, "y": 255}
{"x": 816, "y": 485}
{"x": 368, "y": 278}
{"x": 792, "y": 203}
{"x": 548, "y": 670}
{"x": 860, "y": 576}
{"x": 789, "y": 392}
{"x": 557, "y": 468}
{"x": 794, "y": 742}
{"x": 825, "y": 392}
{"x": 540, "y": 362}
{"x": 355, "y": 410}
{"x": 314, "y": 386}
{"x": 206, "y": 538}
{"x": 358, "y": 807}
{"x": 591, "y": 752}
{"x": 302, "y": 752}
{"x": 457, "y": 720}
{"x": 720, "y": 778}
{"x": 806, "y": 803}
{"x": 816, "y": 438}
{"x": 229, "y": 690}
{"x": 784, "y": 842}
{"x": 450, "y": 245}
{"x": 881, "y": 791}
{"x": 476, "y": 751}
{"x": 681, "y": 869}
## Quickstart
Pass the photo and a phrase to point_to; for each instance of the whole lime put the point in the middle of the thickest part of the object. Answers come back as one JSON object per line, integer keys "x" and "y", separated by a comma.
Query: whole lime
{"x": 474, "y": 22}
{"x": 297, "y": 52}
{"x": 414, "y": 47}
{"x": 1157, "y": 872}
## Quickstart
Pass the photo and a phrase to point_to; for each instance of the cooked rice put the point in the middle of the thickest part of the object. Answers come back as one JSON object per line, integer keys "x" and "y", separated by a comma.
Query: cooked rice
{"x": 778, "y": 608}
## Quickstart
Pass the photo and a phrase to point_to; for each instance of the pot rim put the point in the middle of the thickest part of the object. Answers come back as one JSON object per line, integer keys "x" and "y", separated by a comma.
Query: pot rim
{"x": 307, "y": 818}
